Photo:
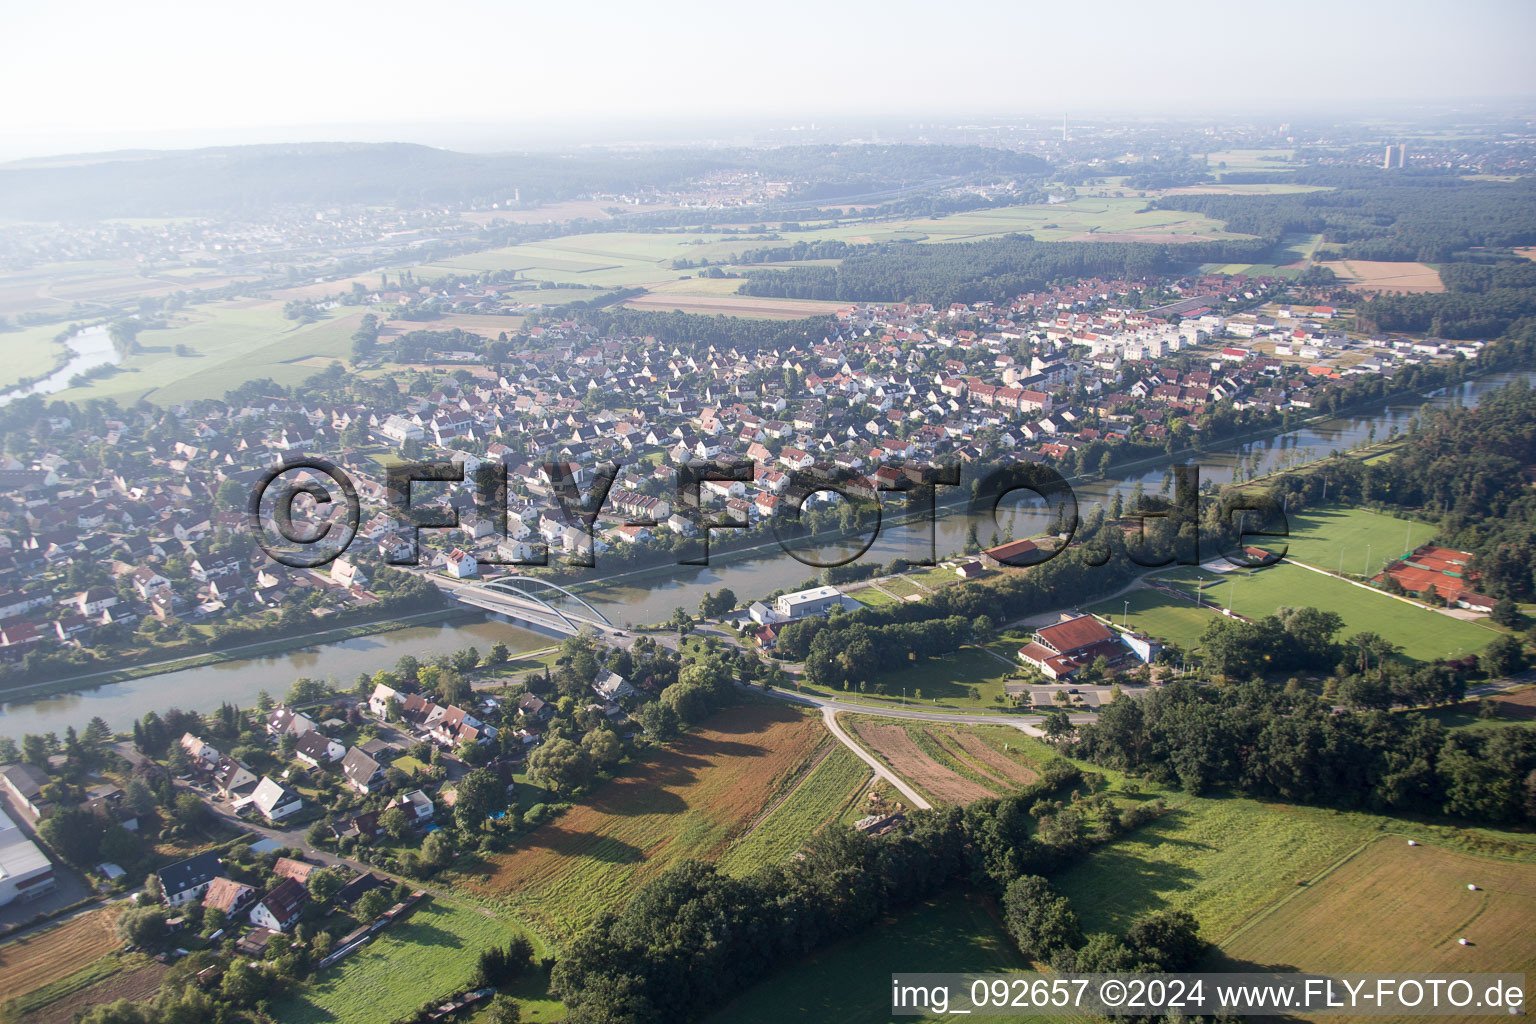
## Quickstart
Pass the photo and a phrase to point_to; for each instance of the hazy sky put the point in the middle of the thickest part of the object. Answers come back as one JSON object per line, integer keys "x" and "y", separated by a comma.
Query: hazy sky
{"x": 80, "y": 74}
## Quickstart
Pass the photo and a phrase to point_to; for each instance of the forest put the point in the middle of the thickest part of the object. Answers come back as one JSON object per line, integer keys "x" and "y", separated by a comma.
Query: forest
{"x": 1382, "y": 215}
{"x": 993, "y": 270}
{"x": 1284, "y": 744}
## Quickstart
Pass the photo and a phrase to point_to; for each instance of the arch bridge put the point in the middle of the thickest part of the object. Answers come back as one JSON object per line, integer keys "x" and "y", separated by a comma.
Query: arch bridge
{"x": 515, "y": 597}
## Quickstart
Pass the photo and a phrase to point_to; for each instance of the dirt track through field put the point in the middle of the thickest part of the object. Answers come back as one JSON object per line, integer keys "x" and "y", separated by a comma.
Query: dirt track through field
{"x": 909, "y": 761}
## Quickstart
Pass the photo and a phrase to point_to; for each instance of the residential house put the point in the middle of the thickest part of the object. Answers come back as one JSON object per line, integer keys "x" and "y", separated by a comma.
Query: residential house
{"x": 362, "y": 772}
{"x": 279, "y": 909}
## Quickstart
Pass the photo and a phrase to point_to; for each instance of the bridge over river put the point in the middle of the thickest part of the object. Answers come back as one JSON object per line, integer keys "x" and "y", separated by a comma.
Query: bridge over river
{"x": 518, "y": 598}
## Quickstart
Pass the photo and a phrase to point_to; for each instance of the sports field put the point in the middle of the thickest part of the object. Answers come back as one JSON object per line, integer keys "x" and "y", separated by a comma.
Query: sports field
{"x": 1393, "y": 907}
{"x": 1422, "y": 633}
{"x": 1355, "y": 540}
{"x": 690, "y": 800}
{"x": 851, "y": 982}
{"x": 1158, "y": 615}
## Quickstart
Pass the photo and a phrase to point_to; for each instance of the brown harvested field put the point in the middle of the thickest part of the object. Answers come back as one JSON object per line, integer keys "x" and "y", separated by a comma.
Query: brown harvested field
{"x": 737, "y": 305}
{"x": 690, "y": 800}
{"x": 997, "y": 763}
{"x": 1380, "y": 276}
{"x": 1529, "y": 252}
{"x": 42, "y": 957}
{"x": 133, "y": 985}
{"x": 486, "y": 325}
{"x": 1393, "y": 908}
{"x": 895, "y": 747}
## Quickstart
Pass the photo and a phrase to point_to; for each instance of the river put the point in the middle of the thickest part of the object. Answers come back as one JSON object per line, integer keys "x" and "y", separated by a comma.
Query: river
{"x": 650, "y": 596}
{"x": 89, "y": 348}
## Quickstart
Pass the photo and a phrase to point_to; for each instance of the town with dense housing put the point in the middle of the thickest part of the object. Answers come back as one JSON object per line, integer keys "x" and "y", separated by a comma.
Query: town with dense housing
{"x": 701, "y": 578}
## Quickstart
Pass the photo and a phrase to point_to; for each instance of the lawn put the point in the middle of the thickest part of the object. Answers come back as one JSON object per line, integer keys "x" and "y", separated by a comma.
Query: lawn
{"x": 850, "y": 982}
{"x": 409, "y": 963}
{"x": 969, "y": 678}
{"x": 819, "y": 799}
{"x": 689, "y": 800}
{"x": 1422, "y": 634}
{"x": 872, "y": 598}
{"x": 1157, "y": 614}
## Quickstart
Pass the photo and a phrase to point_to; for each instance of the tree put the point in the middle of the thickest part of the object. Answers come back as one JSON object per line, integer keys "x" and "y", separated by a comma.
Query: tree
{"x": 325, "y": 883}
{"x": 370, "y": 905}
{"x": 141, "y": 926}
{"x": 1040, "y": 919}
{"x": 479, "y": 795}
{"x": 1503, "y": 657}
{"x": 394, "y": 822}
{"x": 498, "y": 654}
{"x": 560, "y": 766}
{"x": 34, "y": 750}
{"x": 604, "y": 745}
{"x": 504, "y": 1010}
{"x": 75, "y": 833}
{"x": 659, "y": 721}
{"x": 437, "y": 850}
{"x": 1506, "y": 613}
{"x": 1057, "y": 724}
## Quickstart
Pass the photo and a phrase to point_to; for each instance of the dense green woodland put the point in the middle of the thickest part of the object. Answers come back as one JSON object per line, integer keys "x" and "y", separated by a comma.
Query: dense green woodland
{"x": 1382, "y": 215}
{"x": 1278, "y": 744}
{"x": 994, "y": 270}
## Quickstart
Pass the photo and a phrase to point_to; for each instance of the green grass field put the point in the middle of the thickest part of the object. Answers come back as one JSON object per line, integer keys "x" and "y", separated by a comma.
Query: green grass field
{"x": 1233, "y": 862}
{"x": 1158, "y": 615}
{"x": 851, "y": 982}
{"x": 230, "y": 343}
{"x": 1422, "y": 634}
{"x": 29, "y": 352}
{"x": 1335, "y": 537}
{"x": 626, "y": 259}
{"x": 818, "y": 800}
{"x": 423, "y": 958}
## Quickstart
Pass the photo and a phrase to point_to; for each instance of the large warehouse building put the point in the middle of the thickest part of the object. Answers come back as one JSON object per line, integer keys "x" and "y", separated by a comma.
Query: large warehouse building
{"x": 25, "y": 872}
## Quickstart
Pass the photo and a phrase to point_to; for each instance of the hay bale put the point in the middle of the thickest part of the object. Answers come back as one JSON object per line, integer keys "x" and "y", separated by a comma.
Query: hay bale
{"x": 1471, "y": 887}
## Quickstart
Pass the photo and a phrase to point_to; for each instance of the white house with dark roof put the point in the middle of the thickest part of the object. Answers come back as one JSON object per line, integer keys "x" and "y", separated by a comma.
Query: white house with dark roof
{"x": 274, "y": 800}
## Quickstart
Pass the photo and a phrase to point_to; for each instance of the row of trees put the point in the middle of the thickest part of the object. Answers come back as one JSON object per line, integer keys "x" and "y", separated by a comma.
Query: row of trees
{"x": 694, "y": 938}
{"x": 1284, "y": 744}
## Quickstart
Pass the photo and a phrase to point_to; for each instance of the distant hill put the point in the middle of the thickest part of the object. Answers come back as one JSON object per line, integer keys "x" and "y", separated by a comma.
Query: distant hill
{"x": 249, "y": 179}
